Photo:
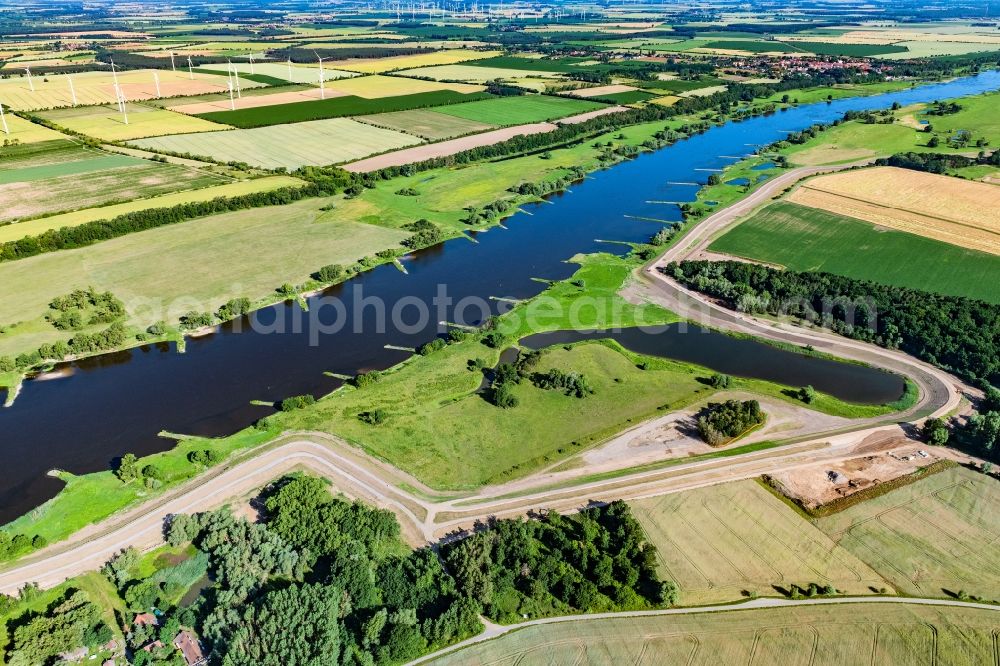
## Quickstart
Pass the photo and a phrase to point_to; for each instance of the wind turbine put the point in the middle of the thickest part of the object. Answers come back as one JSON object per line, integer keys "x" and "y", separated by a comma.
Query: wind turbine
{"x": 72, "y": 90}
{"x": 31, "y": 84}
{"x": 156, "y": 80}
{"x": 289, "y": 68}
{"x": 118, "y": 90}
{"x": 236, "y": 78}
{"x": 322, "y": 78}
{"x": 232, "y": 102}
{"x": 251, "y": 64}
{"x": 190, "y": 69}
{"x": 173, "y": 67}
{"x": 3, "y": 119}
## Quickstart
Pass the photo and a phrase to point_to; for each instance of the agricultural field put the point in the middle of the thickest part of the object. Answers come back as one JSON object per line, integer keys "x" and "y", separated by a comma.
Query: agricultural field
{"x": 24, "y": 131}
{"x": 519, "y": 110}
{"x": 723, "y": 542}
{"x": 40, "y": 225}
{"x": 337, "y": 107}
{"x": 132, "y": 179}
{"x": 243, "y": 253}
{"x": 834, "y": 635}
{"x": 930, "y": 538}
{"x": 107, "y": 124}
{"x": 425, "y": 124}
{"x": 473, "y": 74}
{"x": 98, "y": 88}
{"x": 210, "y": 103}
{"x": 298, "y": 73}
{"x": 291, "y": 146}
{"x": 956, "y": 211}
{"x": 446, "y": 57}
{"x": 808, "y": 239}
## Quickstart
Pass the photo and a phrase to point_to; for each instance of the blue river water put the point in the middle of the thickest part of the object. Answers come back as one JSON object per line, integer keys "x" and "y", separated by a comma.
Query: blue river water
{"x": 119, "y": 402}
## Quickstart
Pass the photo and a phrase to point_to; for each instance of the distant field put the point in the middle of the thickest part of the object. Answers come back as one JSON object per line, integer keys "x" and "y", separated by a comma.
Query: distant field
{"x": 519, "y": 110}
{"x": 425, "y": 124}
{"x": 850, "y": 50}
{"x": 560, "y": 65}
{"x": 630, "y": 97}
{"x": 475, "y": 74}
{"x": 89, "y": 160}
{"x": 199, "y": 264}
{"x": 807, "y": 239}
{"x": 34, "y": 227}
{"x": 953, "y": 210}
{"x": 136, "y": 180}
{"x": 373, "y": 87}
{"x": 836, "y": 635}
{"x": 26, "y": 131}
{"x": 445, "y": 57}
{"x": 336, "y": 107}
{"x": 680, "y": 85}
{"x": 753, "y": 46}
{"x": 316, "y": 142}
{"x": 299, "y": 73}
{"x": 929, "y": 538}
{"x": 718, "y": 542}
{"x": 97, "y": 88}
{"x": 105, "y": 123}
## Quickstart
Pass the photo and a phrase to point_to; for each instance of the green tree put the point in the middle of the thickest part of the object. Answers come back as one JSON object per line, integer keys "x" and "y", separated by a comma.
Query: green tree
{"x": 128, "y": 468}
{"x": 309, "y": 612}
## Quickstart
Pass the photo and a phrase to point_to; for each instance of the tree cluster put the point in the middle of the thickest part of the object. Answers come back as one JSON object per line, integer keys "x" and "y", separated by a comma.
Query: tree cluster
{"x": 720, "y": 423}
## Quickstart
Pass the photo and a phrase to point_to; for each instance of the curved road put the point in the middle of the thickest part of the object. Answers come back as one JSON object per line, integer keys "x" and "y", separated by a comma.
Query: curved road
{"x": 427, "y": 516}
{"x": 496, "y": 630}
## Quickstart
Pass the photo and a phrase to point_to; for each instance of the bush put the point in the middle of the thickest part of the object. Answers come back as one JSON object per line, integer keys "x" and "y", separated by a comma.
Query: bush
{"x": 329, "y": 273}
{"x": 434, "y": 345}
{"x": 364, "y": 379}
{"x": 720, "y": 381}
{"x": 935, "y": 431}
{"x": 722, "y": 422}
{"x": 374, "y": 416}
{"x": 296, "y": 402}
{"x": 503, "y": 397}
{"x": 807, "y": 394}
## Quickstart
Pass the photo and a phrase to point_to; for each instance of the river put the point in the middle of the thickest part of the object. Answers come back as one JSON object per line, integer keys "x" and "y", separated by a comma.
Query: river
{"x": 118, "y": 403}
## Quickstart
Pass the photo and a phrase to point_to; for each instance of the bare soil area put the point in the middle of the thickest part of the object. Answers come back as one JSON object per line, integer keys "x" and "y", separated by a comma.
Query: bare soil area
{"x": 887, "y": 459}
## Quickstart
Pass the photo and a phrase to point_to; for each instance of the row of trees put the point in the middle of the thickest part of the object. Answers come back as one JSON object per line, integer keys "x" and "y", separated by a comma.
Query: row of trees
{"x": 939, "y": 163}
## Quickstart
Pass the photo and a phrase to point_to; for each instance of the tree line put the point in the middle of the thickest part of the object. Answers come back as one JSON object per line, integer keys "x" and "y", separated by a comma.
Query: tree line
{"x": 960, "y": 335}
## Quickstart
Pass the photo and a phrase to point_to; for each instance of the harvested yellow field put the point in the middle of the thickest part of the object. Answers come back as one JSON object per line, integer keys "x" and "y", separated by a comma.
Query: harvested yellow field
{"x": 448, "y": 57}
{"x": 600, "y": 91}
{"x": 253, "y": 101}
{"x": 372, "y": 87}
{"x": 961, "y": 212}
{"x": 476, "y": 74}
{"x": 26, "y": 131}
{"x": 98, "y": 88}
{"x": 105, "y": 123}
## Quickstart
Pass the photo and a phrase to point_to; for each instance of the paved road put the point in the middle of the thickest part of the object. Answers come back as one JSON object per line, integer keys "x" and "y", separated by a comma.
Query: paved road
{"x": 427, "y": 516}
{"x": 495, "y": 630}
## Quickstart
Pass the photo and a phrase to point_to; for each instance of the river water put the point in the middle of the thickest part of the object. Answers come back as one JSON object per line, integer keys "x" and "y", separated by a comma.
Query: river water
{"x": 119, "y": 402}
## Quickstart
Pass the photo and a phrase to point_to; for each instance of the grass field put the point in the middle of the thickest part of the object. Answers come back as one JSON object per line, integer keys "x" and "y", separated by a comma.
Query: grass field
{"x": 106, "y": 124}
{"x": 336, "y": 107}
{"x": 98, "y": 88}
{"x": 850, "y": 50}
{"x": 374, "y": 87}
{"x": 200, "y": 264}
{"x": 446, "y": 57}
{"x": 929, "y": 538}
{"x": 953, "y": 210}
{"x": 719, "y": 542}
{"x": 309, "y": 143}
{"x": 96, "y": 188}
{"x": 839, "y": 635}
{"x": 91, "y": 160}
{"x": 807, "y": 239}
{"x": 34, "y": 227}
{"x": 752, "y": 46}
{"x": 425, "y": 124}
{"x": 519, "y": 110}
{"x": 431, "y": 402}
{"x": 475, "y": 74}
{"x": 857, "y": 140}
{"x": 560, "y": 65}
{"x": 630, "y": 97}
